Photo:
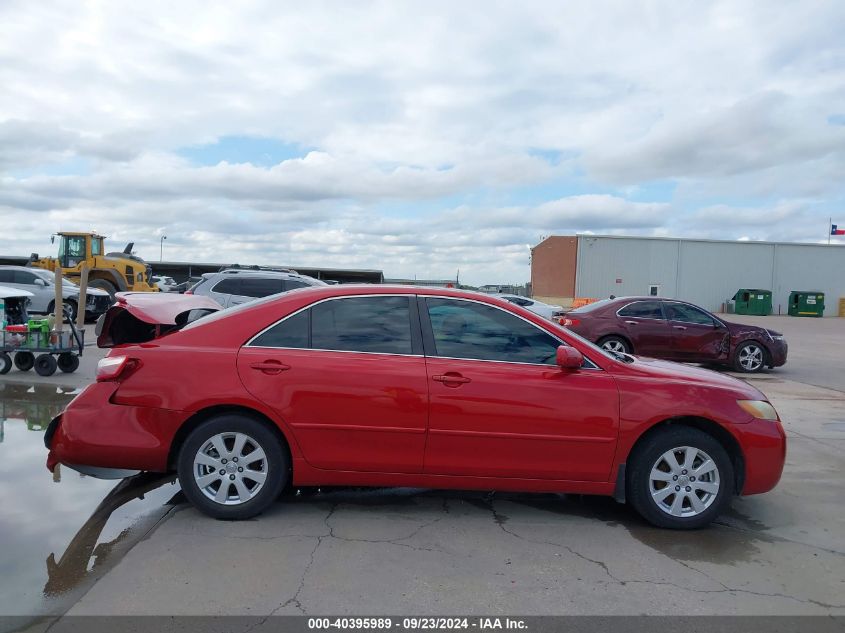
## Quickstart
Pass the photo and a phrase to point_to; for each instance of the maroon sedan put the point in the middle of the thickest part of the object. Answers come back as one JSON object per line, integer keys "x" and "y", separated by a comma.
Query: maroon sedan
{"x": 676, "y": 330}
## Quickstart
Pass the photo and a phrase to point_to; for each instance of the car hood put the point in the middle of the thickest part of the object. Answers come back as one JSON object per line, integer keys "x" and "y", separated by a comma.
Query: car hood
{"x": 680, "y": 372}
{"x": 138, "y": 317}
{"x": 10, "y": 293}
{"x": 741, "y": 329}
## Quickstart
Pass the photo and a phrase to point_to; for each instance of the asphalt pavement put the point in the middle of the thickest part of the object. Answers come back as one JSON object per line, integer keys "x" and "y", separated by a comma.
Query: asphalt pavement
{"x": 401, "y": 551}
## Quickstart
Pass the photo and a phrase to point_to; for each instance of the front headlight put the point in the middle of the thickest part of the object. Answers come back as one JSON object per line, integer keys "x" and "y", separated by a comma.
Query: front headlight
{"x": 760, "y": 409}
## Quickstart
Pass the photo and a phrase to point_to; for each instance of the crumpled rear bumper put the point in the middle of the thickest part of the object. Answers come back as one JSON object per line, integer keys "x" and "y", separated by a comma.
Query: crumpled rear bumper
{"x": 106, "y": 440}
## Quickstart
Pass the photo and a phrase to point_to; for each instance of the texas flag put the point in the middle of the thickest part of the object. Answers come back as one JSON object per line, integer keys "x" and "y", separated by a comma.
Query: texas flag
{"x": 836, "y": 231}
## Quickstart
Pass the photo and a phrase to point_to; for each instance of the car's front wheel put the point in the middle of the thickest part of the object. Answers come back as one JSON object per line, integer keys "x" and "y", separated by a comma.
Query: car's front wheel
{"x": 680, "y": 478}
{"x": 749, "y": 357}
{"x": 232, "y": 467}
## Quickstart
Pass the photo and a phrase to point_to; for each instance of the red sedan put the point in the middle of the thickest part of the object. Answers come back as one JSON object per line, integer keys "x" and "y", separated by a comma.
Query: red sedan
{"x": 676, "y": 330}
{"x": 404, "y": 386}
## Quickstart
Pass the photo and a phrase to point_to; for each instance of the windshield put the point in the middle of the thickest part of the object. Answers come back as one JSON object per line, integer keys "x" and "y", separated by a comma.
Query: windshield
{"x": 625, "y": 358}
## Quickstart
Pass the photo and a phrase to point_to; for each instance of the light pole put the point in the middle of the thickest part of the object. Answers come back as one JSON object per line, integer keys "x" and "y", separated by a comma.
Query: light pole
{"x": 161, "y": 247}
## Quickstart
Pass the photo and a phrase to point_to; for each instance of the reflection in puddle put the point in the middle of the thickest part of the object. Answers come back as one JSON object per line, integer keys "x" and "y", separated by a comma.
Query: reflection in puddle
{"x": 73, "y": 566}
{"x": 42, "y": 513}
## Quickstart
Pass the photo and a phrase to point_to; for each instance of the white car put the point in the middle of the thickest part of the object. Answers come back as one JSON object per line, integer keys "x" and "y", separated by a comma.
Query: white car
{"x": 15, "y": 304}
{"x": 164, "y": 283}
{"x": 537, "y": 307}
{"x": 40, "y": 285}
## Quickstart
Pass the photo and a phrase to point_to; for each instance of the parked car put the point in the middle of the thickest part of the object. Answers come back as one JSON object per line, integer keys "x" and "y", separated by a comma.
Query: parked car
{"x": 537, "y": 307}
{"x": 234, "y": 286}
{"x": 676, "y": 330}
{"x": 41, "y": 283}
{"x": 164, "y": 283}
{"x": 16, "y": 304}
{"x": 366, "y": 385}
{"x": 186, "y": 285}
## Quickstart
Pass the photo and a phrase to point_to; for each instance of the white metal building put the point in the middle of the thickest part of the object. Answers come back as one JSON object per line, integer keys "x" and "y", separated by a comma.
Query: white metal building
{"x": 705, "y": 272}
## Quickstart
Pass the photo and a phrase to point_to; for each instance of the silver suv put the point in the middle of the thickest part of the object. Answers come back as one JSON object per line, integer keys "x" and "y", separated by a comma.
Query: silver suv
{"x": 235, "y": 286}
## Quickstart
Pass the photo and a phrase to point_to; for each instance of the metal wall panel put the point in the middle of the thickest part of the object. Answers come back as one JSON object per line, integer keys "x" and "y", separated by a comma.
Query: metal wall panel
{"x": 711, "y": 272}
{"x": 809, "y": 267}
{"x": 708, "y": 273}
{"x": 636, "y": 262}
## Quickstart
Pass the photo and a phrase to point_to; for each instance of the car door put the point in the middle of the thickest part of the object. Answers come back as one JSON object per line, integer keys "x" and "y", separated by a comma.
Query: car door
{"x": 645, "y": 325}
{"x": 501, "y": 407}
{"x": 347, "y": 375}
{"x": 697, "y": 336}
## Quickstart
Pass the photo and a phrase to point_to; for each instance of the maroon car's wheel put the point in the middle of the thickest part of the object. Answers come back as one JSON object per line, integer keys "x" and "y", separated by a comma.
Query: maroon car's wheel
{"x": 232, "y": 467}
{"x": 680, "y": 478}
{"x": 749, "y": 357}
{"x": 615, "y": 344}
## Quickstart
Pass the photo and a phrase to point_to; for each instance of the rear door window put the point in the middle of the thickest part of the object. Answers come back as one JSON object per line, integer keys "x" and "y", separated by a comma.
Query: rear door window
{"x": 380, "y": 325}
{"x": 260, "y": 287}
{"x": 228, "y": 287}
{"x": 642, "y": 310}
{"x": 293, "y": 332}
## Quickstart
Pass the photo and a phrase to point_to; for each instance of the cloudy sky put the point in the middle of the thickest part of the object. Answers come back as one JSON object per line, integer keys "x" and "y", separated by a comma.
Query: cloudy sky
{"x": 417, "y": 137}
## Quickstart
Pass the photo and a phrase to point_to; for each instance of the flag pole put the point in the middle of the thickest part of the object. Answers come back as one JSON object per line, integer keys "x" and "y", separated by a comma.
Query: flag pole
{"x": 829, "y": 228}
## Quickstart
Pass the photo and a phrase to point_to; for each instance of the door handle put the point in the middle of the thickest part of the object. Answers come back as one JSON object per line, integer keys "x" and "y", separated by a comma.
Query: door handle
{"x": 270, "y": 367}
{"x": 679, "y": 327}
{"x": 454, "y": 379}
{"x": 631, "y": 322}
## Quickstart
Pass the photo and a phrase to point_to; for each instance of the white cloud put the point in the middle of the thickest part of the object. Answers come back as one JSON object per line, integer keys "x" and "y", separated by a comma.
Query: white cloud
{"x": 422, "y": 123}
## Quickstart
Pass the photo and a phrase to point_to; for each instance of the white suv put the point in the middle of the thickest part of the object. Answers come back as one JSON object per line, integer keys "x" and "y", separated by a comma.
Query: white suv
{"x": 235, "y": 286}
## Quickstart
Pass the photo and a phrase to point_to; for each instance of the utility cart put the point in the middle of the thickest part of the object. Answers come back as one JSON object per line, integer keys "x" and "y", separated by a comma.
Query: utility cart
{"x": 34, "y": 344}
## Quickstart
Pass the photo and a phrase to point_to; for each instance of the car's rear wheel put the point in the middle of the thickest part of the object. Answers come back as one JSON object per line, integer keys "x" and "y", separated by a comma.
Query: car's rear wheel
{"x": 24, "y": 361}
{"x": 615, "y": 344}
{"x": 749, "y": 357}
{"x": 680, "y": 478}
{"x": 232, "y": 467}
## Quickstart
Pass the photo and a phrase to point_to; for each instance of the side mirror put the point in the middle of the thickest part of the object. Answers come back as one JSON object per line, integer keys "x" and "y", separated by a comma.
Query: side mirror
{"x": 569, "y": 357}
{"x": 40, "y": 282}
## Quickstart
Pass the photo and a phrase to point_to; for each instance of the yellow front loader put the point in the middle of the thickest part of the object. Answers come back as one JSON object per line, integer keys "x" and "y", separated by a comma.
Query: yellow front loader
{"x": 112, "y": 272}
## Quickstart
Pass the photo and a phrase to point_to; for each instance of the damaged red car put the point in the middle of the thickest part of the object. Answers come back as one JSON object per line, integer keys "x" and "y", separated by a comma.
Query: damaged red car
{"x": 404, "y": 386}
{"x": 676, "y": 330}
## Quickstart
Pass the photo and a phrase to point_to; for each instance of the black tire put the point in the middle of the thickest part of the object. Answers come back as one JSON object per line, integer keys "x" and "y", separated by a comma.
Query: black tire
{"x": 616, "y": 341}
{"x": 24, "y": 361}
{"x": 45, "y": 365}
{"x": 750, "y": 357}
{"x": 69, "y": 305}
{"x": 276, "y": 466}
{"x": 102, "y": 284}
{"x": 649, "y": 454}
{"x": 68, "y": 362}
{"x": 5, "y": 363}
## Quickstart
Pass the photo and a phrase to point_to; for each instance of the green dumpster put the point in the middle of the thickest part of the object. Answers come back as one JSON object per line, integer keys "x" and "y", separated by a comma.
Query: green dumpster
{"x": 809, "y": 303}
{"x": 753, "y": 301}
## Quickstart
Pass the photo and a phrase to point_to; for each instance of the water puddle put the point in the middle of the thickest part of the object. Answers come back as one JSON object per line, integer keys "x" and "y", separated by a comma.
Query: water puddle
{"x": 59, "y": 531}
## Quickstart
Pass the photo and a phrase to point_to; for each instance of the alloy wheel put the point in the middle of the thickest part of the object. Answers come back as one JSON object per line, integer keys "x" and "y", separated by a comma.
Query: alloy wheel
{"x": 614, "y": 346}
{"x": 751, "y": 357}
{"x": 230, "y": 468}
{"x": 684, "y": 481}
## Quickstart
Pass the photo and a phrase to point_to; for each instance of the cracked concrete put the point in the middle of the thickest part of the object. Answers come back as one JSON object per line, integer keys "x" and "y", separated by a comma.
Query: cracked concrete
{"x": 406, "y": 551}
